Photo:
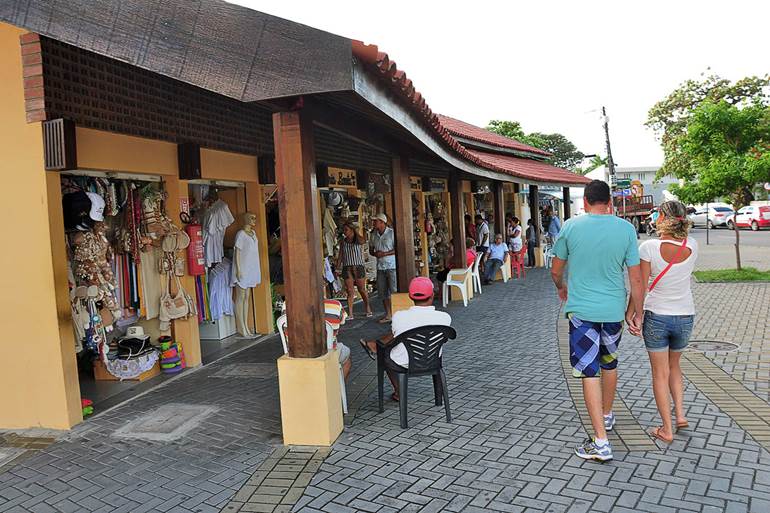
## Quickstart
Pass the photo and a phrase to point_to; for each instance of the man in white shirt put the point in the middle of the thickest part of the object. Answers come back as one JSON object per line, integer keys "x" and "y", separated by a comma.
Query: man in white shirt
{"x": 423, "y": 313}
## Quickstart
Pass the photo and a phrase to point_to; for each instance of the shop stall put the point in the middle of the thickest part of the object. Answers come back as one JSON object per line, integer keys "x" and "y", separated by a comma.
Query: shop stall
{"x": 124, "y": 260}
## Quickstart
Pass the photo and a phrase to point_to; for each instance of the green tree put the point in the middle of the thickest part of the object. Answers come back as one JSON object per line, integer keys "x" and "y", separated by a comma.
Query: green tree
{"x": 564, "y": 153}
{"x": 669, "y": 117}
{"x": 596, "y": 162}
{"x": 510, "y": 129}
{"x": 724, "y": 150}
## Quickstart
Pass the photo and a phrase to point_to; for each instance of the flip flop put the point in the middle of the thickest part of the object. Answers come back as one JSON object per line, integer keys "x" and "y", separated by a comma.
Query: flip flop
{"x": 384, "y": 320}
{"x": 369, "y": 314}
{"x": 394, "y": 396}
{"x": 656, "y": 434}
{"x": 682, "y": 425}
{"x": 366, "y": 348}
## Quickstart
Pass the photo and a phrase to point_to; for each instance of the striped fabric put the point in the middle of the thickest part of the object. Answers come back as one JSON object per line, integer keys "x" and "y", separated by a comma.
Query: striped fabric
{"x": 352, "y": 253}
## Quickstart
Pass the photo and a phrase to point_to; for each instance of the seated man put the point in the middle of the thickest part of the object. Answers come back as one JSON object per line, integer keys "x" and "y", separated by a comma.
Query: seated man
{"x": 423, "y": 313}
{"x": 496, "y": 257}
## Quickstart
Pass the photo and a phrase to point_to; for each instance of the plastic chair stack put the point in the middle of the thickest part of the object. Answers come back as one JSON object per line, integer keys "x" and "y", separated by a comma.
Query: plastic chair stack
{"x": 517, "y": 262}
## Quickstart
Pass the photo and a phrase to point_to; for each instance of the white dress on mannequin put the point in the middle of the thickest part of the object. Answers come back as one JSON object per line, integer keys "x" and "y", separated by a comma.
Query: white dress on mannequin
{"x": 249, "y": 261}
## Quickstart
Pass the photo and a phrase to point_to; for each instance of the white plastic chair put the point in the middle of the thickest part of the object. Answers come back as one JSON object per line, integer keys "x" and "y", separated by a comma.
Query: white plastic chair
{"x": 282, "y": 323}
{"x": 505, "y": 270}
{"x": 475, "y": 274}
{"x": 457, "y": 278}
{"x": 548, "y": 255}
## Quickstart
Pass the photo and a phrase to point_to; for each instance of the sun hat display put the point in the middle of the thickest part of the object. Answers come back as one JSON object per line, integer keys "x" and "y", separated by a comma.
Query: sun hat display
{"x": 97, "y": 207}
{"x": 334, "y": 199}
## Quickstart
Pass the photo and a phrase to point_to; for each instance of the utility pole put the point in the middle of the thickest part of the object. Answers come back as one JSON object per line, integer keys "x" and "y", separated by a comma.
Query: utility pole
{"x": 610, "y": 162}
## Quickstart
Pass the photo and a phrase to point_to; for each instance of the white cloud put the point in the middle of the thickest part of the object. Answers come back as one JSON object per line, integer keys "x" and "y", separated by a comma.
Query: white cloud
{"x": 547, "y": 63}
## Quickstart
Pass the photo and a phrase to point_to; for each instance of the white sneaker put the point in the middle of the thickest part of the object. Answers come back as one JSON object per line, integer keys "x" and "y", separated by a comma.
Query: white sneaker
{"x": 609, "y": 421}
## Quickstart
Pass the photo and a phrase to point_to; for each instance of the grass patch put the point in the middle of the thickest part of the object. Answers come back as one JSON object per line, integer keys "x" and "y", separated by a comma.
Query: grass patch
{"x": 720, "y": 275}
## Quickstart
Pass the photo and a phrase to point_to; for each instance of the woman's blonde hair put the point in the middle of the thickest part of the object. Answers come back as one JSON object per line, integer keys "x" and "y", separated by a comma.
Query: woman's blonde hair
{"x": 674, "y": 220}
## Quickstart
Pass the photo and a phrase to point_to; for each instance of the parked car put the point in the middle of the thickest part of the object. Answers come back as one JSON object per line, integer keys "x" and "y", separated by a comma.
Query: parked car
{"x": 754, "y": 217}
{"x": 711, "y": 216}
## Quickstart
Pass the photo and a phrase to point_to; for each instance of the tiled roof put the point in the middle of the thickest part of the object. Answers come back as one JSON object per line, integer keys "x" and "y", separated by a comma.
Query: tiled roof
{"x": 528, "y": 168}
{"x": 403, "y": 87}
{"x": 473, "y": 132}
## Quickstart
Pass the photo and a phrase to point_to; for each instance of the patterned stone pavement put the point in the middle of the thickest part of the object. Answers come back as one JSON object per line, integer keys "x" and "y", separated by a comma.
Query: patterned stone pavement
{"x": 507, "y": 449}
{"x": 509, "y": 446}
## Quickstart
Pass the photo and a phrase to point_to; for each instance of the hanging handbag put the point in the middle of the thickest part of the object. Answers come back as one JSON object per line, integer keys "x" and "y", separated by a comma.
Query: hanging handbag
{"x": 174, "y": 306}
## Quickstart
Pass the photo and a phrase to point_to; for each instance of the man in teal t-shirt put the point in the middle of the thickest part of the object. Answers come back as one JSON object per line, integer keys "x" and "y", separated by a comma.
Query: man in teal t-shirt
{"x": 597, "y": 247}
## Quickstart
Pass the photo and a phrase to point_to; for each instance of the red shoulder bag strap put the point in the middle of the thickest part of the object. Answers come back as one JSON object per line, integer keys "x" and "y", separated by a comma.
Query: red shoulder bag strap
{"x": 673, "y": 260}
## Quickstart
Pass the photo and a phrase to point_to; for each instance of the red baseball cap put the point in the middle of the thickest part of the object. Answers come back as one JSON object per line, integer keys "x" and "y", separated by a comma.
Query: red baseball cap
{"x": 421, "y": 288}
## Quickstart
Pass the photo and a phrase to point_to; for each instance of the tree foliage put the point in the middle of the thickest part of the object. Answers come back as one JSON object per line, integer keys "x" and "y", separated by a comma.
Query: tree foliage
{"x": 669, "y": 117}
{"x": 727, "y": 152}
{"x": 564, "y": 153}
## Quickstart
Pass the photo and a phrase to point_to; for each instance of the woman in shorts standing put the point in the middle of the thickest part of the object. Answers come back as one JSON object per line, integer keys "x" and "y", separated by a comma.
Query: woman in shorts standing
{"x": 669, "y": 310}
{"x": 351, "y": 261}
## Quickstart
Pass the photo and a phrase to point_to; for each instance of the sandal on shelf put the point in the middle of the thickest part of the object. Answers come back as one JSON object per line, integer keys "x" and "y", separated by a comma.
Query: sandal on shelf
{"x": 656, "y": 434}
{"x": 366, "y": 348}
{"x": 682, "y": 425}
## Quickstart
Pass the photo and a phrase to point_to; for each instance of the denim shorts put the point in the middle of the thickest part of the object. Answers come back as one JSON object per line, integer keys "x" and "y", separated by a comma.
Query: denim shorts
{"x": 666, "y": 332}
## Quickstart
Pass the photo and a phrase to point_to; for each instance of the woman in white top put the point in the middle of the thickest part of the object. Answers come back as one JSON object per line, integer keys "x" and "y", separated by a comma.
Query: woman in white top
{"x": 668, "y": 310}
{"x": 514, "y": 234}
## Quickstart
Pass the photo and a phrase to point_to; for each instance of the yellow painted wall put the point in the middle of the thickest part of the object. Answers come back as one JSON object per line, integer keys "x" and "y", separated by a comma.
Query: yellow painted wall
{"x": 220, "y": 165}
{"x": 38, "y": 374}
{"x": 115, "y": 152}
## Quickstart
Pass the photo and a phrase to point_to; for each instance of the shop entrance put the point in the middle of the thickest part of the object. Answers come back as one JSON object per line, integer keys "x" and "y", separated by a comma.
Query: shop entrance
{"x": 224, "y": 265}
{"x": 124, "y": 288}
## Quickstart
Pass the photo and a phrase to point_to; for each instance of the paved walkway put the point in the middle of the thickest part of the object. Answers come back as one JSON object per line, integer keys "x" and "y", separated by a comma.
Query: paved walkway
{"x": 210, "y": 440}
{"x": 509, "y": 447}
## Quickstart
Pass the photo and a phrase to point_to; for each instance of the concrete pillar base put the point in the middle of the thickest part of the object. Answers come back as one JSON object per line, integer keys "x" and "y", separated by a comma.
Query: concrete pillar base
{"x": 311, "y": 405}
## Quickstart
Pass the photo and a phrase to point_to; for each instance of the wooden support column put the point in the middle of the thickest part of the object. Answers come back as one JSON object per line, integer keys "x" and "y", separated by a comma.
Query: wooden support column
{"x": 458, "y": 222}
{"x": 403, "y": 224}
{"x": 499, "y": 208}
{"x": 534, "y": 213}
{"x": 300, "y": 242}
{"x": 186, "y": 330}
{"x": 567, "y": 203}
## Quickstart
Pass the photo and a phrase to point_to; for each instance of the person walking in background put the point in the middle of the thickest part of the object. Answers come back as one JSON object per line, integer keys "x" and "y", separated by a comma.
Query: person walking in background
{"x": 597, "y": 247}
{"x": 669, "y": 311}
{"x": 482, "y": 235}
{"x": 554, "y": 225}
{"x": 532, "y": 242}
{"x": 495, "y": 258}
{"x": 383, "y": 246}
{"x": 351, "y": 263}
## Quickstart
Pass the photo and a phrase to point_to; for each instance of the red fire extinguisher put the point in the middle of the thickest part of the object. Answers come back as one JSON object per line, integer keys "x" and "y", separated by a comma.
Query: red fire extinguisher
{"x": 195, "y": 261}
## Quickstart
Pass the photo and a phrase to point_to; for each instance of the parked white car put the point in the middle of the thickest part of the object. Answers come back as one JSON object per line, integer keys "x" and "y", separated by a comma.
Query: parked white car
{"x": 753, "y": 216}
{"x": 711, "y": 216}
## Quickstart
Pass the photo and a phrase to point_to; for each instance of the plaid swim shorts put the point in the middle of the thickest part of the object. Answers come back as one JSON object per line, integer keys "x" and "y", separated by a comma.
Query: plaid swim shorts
{"x": 593, "y": 346}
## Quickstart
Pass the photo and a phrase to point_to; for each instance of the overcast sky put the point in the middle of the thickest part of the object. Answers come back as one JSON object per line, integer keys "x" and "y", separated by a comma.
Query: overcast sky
{"x": 548, "y": 64}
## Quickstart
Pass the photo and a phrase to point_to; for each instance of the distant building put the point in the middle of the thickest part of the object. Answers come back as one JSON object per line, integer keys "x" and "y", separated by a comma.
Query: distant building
{"x": 644, "y": 174}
